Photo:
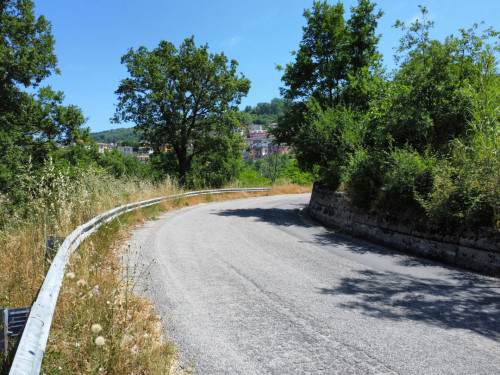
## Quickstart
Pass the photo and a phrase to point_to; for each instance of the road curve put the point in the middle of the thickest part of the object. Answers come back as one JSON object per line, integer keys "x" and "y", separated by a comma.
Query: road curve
{"x": 252, "y": 286}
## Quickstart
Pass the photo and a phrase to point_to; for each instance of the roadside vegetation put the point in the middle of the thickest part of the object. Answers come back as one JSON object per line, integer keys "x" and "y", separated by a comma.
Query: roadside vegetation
{"x": 422, "y": 140}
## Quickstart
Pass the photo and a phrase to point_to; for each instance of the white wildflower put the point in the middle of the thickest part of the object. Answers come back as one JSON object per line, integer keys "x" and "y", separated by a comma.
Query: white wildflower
{"x": 96, "y": 328}
{"x": 96, "y": 291}
{"x": 99, "y": 341}
{"x": 70, "y": 275}
{"x": 81, "y": 283}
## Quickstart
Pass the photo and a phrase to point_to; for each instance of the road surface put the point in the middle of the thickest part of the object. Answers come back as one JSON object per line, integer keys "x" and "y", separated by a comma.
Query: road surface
{"x": 253, "y": 286}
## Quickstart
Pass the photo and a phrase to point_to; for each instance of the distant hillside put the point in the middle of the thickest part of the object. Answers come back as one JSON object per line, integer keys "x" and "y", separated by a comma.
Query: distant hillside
{"x": 264, "y": 113}
{"x": 115, "y": 135}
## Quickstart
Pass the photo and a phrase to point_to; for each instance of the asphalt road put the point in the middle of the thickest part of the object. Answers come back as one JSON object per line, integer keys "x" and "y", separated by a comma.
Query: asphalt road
{"x": 254, "y": 287}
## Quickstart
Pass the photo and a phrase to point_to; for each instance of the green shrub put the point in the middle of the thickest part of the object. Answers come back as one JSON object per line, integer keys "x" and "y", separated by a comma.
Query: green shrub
{"x": 460, "y": 198}
{"x": 362, "y": 177}
{"x": 409, "y": 177}
{"x": 251, "y": 178}
{"x": 295, "y": 175}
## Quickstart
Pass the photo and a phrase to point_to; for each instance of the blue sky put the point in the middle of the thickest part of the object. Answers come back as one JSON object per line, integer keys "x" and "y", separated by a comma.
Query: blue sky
{"x": 92, "y": 35}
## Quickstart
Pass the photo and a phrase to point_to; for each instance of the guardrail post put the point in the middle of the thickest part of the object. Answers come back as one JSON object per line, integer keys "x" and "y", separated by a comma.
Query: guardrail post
{"x": 12, "y": 322}
{"x": 52, "y": 243}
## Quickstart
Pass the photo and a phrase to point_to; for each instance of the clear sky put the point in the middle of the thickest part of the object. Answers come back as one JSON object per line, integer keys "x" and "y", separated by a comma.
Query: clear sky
{"x": 92, "y": 35}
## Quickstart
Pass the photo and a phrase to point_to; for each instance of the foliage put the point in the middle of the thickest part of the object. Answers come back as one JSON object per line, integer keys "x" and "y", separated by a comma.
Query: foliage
{"x": 264, "y": 113}
{"x": 408, "y": 178}
{"x": 334, "y": 53}
{"x": 322, "y": 139}
{"x": 275, "y": 169}
{"x": 335, "y": 73}
{"x": 362, "y": 177}
{"x": 181, "y": 97}
{"x": 118, "y": 165}
{"x": 467, "y": 189}
{"x": 273, "y": 166}
{"x": 427, "y": 102}
{"x": 116, "y": 135}
{"x": 251, "y": 178}
{"x": 320, "y": 63}
{"x": 293, "y": 173}
{"x": 220, "y": 167}
{"x": 32, "y": 125}
{"x": 422, "y": 141}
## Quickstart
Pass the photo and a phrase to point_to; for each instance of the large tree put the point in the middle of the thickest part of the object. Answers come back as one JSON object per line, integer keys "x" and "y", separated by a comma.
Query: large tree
{"x": 332, "y": 79}
{"x": 181, "y": 97}
{"x": 334, "y": 54}
{"x": 320, "y": 66}
{"x": 30, "y": 124}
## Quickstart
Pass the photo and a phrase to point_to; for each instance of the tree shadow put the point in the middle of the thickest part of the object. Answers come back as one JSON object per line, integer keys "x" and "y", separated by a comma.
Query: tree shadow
{"x": 276, "y": 216}
{"x": 462, "y": 301}
{"x": 470, "y": 302}
{"x": 330, "y": 236}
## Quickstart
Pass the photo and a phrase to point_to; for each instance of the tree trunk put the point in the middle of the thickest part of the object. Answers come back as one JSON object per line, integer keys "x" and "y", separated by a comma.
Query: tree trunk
{"x": 183, "y": 166}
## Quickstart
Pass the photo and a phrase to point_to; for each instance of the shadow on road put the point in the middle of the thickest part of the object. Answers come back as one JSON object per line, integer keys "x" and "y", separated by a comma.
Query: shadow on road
{"x": 470, "y": 303}
{"x": 276, "y": 216}
{"x": 290, "y": 217}
{"x": 467, "y": 301}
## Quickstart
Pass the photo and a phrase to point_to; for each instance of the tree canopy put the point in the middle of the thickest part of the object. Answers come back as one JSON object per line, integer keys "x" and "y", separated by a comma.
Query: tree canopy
{"x": 30, "y": 124}
{"x": 181, "y": 97}
{"x": 332, "y": 52}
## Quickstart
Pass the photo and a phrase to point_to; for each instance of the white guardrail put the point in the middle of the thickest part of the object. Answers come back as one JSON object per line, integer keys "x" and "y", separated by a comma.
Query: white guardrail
{"x": 29, "y": 355}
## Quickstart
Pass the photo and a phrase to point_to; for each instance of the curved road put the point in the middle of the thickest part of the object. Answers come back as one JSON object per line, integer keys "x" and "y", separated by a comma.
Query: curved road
{"x": 253, "y": 287}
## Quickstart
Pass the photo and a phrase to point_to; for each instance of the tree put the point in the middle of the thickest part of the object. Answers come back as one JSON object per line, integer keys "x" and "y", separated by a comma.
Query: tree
{"x": 334, "y": 53}
{"x": 364, "y": 60}
{"x": 320, "y": 64}
{"x": 336, "y": 73}
{"x": 427, "y": 104}
{"x": 31, "y": 125}
{"x": 182, "y": 97}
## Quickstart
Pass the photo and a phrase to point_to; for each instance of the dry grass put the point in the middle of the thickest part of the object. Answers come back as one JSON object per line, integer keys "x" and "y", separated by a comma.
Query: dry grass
{"x": 102, "y": 290}
{"x": 62, "y": 206}
{"x": 99, "y": 301}
{"x": 275, "y": 190}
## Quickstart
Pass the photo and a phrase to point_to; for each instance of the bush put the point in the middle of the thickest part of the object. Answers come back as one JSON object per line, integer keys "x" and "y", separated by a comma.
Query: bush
{"x": 409, "y": 177}
{"x": 251, "y": 178}
{"x": 362, "y": 177}
{"x": 294, "y": 174}
{"x": 460, "y": 198}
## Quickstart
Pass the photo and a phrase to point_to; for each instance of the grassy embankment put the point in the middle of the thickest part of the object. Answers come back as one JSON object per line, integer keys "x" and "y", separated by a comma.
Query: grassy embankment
{"x": 100, "y": 324}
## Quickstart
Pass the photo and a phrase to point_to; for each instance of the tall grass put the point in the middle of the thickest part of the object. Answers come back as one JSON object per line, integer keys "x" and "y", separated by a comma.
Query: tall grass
{"x": 59, "y": 201}
{"x": 57, "y": 204}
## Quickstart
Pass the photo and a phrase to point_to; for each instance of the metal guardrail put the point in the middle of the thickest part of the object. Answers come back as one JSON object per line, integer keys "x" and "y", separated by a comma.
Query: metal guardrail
{"x": 29, "y": 355}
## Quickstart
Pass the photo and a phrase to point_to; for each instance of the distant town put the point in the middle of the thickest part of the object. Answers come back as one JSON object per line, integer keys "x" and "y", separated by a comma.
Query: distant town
{"x": 259, "y": 143}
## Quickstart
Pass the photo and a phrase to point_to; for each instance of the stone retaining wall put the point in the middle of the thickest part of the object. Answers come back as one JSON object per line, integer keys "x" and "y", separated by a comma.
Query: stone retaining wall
{"x": 477, "y": 250}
